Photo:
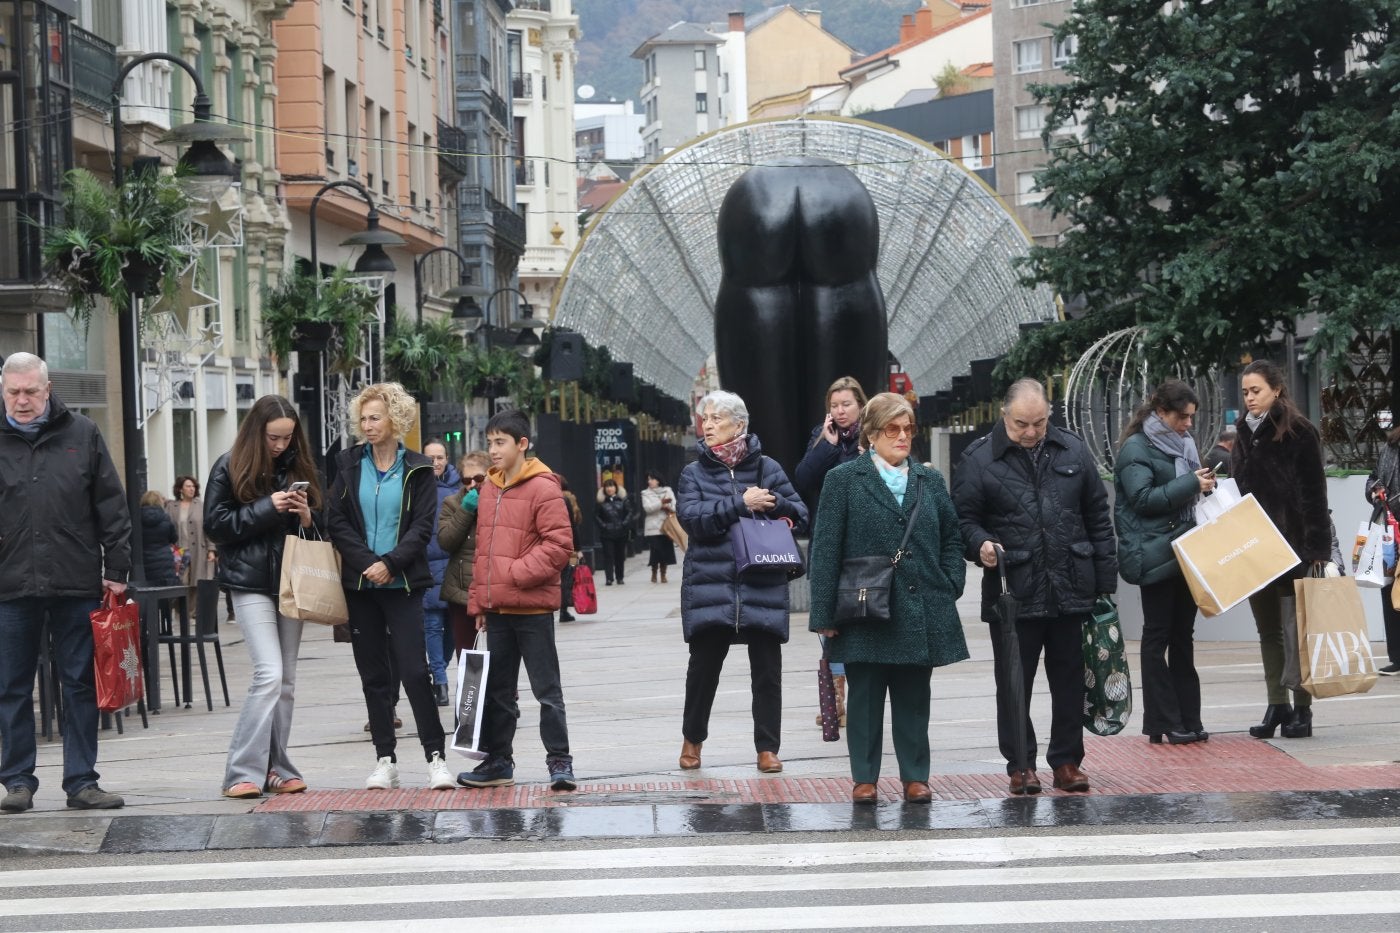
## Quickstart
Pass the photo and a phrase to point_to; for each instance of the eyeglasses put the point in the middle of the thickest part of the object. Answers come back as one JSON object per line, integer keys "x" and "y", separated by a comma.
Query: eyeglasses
{"x": 893, "y": 431}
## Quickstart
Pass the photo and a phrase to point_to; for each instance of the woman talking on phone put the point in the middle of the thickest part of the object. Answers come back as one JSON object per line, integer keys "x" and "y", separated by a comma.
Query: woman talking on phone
{"x": 262, "y": 490}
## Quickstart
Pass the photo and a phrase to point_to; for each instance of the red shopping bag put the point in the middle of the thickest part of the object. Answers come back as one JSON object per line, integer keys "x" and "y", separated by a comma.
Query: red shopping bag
{"x": 585, "y": 593}
{"x": 116, "y": 653}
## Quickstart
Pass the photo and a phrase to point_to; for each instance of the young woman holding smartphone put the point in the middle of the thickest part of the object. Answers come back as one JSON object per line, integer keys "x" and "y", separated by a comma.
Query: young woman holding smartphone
{"x": 262, "y": 490}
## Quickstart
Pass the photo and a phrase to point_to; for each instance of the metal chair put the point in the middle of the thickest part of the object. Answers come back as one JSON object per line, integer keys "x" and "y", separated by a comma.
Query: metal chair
{"x": 206, "y": 631}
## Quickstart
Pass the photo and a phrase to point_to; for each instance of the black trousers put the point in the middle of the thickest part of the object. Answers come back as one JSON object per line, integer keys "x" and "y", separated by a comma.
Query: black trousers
{"x": 614, "y": 553}
{"x": 708, "y": 649}
{"x": 386, "y": 633}
{"x": 1392, "y": 624}
{"x": 512, "y": 639}
{"x": 1060, "y": 638}
{"x": 1171, "y": 688}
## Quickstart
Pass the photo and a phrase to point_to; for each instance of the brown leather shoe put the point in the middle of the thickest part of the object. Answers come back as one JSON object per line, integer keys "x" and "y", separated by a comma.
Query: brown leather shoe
{"x": 1069, "y": 777}
{"x": 1025, "y": 783}
{"x": 917, "y": 792}
{"x": 690, "y": 755}
{"x": 863, "y": 793}
{"x": 768, "y": 763}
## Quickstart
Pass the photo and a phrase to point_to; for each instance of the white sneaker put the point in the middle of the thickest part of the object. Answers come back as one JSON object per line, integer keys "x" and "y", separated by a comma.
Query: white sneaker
{"x": 384, "y": 776}
{"x": 439, "y": 778}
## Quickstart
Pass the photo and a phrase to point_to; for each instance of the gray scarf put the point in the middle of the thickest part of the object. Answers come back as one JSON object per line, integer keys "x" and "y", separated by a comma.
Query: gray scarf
{"x": 32, "y": 429}
{"x": 1178, "y": 446}
{"x": 1255, "y": 420}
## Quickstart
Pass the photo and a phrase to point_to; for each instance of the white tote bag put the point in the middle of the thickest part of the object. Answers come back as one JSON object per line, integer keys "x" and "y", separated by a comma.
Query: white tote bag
{"x": 472, "y": 668}
{"x": 1370, "y": 563}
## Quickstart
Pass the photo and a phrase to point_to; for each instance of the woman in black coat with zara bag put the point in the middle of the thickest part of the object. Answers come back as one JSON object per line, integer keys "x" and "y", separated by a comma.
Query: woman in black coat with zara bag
{"x": 1278, "y": 458}
{"x": 732, "y": 479}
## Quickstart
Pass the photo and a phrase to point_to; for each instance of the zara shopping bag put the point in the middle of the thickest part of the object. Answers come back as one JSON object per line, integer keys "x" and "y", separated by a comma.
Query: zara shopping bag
{"x": 1231, "y": 557}
{"x": 116, "y": 653}
{"x": 472, "y": 667}
{"x": 310, "y": 589}
{"x": 765, "y": 545}
{"x": 1334, "y": 652}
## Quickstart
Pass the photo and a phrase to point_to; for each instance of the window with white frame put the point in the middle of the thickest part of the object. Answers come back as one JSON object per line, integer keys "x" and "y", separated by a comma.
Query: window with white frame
{"x": 1028, "y": 55}
{"x": 1065, "y": 50}
{"x": 1030, "y": 120}
{"x": 699, "y": 59}
{"x": 702, "y": 103}
{"x": 1026, "y": 192}
{"x": 972, "y": 152}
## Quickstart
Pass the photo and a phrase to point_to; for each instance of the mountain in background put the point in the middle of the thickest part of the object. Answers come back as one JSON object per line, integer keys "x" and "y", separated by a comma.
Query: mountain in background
{"x": 612, "y": 30}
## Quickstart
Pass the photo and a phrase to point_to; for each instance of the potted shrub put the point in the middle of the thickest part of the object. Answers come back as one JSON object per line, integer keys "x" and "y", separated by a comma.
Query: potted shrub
{"x": 423, "y": 355}
{"x": 310, "y": 316}
{"x": 115, "y": 244}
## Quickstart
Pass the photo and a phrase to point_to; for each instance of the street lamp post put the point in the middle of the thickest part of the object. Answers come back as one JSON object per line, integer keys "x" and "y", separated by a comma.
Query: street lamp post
{"x": 465, "y": 293}
{"x": 210, "y": 174}
{"x": 526, "y": 323}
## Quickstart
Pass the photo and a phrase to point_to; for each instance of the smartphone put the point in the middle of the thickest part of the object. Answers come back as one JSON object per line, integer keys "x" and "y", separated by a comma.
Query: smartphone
{"x": 300, "y": 485}
{"x": 1218, "y": 467}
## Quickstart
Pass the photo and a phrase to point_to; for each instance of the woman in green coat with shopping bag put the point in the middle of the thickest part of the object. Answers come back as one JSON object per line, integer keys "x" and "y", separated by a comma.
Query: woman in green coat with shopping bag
{"x": 865, "y": 509}
{"x": 1157, "y": 478}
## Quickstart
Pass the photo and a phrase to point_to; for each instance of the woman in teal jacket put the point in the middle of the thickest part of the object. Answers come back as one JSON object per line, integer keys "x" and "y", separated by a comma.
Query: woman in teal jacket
{"x": 865, "y": 508}
{"x": 1157, "y": 478}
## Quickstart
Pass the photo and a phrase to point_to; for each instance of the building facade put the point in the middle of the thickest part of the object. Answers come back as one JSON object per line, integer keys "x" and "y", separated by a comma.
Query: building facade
{"x": 543, "y": 37}
{"x": 680, "y": 87}
{"x": 1025, "y": 53}
{"x": 605, "y": 131}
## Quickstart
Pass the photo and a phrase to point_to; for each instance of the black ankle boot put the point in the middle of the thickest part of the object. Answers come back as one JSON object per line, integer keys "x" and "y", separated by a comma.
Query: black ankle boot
{"x": 1300, "y": 726}
{"x": 1275, "y": 715}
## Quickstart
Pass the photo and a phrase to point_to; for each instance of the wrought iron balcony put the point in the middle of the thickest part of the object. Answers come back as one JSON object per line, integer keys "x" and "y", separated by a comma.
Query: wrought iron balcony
{"x": 452, "y": 150}
{"x": 508, "y": 222}
{"x": 94, "y": 68}
{"x": 524, "y": 171}
{"x": 497, "y": 106}
{"x": 522, "y": 86}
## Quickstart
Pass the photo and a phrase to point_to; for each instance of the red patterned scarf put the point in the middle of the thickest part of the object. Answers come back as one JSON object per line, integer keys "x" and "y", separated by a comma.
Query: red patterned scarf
{"x": 731, "y": 452}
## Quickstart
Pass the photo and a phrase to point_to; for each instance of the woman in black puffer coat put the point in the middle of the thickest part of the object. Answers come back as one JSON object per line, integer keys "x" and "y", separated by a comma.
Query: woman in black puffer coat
{"x": 1278, "y": 457}
{"x": 731, "y": 479}
{"x": 157, "y": 535}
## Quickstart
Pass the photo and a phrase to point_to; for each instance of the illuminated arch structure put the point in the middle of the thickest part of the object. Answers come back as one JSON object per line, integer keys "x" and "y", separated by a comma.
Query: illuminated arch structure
{"x": 643, "y": 280}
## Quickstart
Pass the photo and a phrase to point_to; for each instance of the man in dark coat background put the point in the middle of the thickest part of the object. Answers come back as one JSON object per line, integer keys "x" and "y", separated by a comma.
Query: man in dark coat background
{"x": 66, "y": 538}
{"x": 1034, "y": 489}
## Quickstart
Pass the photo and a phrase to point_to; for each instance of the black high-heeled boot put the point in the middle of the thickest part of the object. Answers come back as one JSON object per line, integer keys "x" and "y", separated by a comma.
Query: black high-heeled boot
{"x": 1300, "y": 725}
{"x": 1275, "y": 715}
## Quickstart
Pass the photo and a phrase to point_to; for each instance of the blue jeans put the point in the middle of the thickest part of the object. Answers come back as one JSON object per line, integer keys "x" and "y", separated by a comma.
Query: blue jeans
{"x": 21, "y": 626}
{"x": 437, "y": 638}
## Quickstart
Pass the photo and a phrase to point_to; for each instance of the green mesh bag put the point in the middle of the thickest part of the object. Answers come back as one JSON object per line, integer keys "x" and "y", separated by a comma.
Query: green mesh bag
{"x": 1108, "y": 687}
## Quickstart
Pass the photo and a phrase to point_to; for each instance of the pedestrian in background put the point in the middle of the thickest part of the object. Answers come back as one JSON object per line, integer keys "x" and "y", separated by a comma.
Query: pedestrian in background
{"x": 251, "y": 508}
{"x": 157, "y": 538}
{"x": 566, "y": 576}
{"x": 523, "y": 542}
{"x": 1219, "y": 455}
{"x": 67, "y": 541}
{"x": 1384, "y": 481}
{"x": 613, "y": 515}
{"x": 730, "y": 479}
{"x": 1157, "y": 480}
{"x": 456, "y": 532}
{"x": 186, "y": 511}
{"x": 658, "y": 501}
{"x": 1034, "y": 489}
{"x": 437, "y": 634}
{"x": 1278, "y": 458}
{"x": 866, "y": 506}
{"x": 835, "y": 441}
{"x": 383, "y": 505}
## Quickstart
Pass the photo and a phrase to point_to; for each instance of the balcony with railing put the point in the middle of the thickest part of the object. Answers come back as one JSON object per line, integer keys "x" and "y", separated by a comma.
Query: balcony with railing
{"x": 509, "y": 223}
{"x": 522, "y": 86}
{"x": 94, "y": 68}
{"x": 497, "y": 106}
{"x": 524, "y": 171}
{"x": 452, "y": 150}
{"x": 541, "y": 6}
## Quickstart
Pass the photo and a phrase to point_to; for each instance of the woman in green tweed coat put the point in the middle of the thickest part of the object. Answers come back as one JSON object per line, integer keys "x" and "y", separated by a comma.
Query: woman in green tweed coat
{"x": 865, "y": 507}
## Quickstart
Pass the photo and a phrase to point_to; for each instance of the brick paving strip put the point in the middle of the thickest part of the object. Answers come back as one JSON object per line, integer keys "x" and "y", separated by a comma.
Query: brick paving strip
{"x": 1121, "y": 765}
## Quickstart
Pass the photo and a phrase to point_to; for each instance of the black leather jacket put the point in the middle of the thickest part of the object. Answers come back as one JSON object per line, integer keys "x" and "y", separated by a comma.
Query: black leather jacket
{"x": 248, "y": 535}
{"x": 614, "y": 518}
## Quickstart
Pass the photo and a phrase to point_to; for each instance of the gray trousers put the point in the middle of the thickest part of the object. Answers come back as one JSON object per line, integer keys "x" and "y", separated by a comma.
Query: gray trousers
{"x": 259, "y": 743}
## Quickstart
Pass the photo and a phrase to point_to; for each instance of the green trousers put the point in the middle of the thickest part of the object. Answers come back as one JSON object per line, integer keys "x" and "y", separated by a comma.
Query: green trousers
{"x": 907, "y": 686}
{"x": 1268, "y": 620}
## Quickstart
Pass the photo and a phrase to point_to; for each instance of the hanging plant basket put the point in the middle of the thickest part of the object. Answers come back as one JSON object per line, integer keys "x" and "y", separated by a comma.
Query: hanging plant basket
{"x": 142, "y": 277}
{"x": 312, "y": 336}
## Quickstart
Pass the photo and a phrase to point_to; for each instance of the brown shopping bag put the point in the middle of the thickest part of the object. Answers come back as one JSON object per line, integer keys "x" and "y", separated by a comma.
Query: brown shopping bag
{"x": 1334, "y": 652}
{"x": 1233, "y": 556}
{"x": 671, "y": 528}
{"x": 310, "y": 589}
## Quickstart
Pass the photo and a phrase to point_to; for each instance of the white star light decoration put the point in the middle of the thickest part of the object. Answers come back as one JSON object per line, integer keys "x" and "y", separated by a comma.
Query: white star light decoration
{"x": 131, "y": 666}
{"x": 223, "y": 226}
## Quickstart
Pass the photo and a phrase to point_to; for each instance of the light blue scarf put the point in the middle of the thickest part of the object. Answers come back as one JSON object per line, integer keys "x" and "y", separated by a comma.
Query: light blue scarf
{"x": 896, "y": 477}
{"x": 32, "y": 429}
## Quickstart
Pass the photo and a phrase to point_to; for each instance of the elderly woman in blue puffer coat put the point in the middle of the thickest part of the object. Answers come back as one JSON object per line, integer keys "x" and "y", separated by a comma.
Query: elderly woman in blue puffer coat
{"x": 732, "y": 479}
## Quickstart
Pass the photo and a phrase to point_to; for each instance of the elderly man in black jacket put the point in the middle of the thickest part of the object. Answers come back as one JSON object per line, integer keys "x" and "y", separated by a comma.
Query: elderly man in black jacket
{"x": 1033, "y": 489}
{"x": 65, "y": 536}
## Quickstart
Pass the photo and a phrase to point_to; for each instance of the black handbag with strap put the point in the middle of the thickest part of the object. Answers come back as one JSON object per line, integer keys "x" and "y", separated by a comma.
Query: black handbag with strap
{"x": 863, "y": 589}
